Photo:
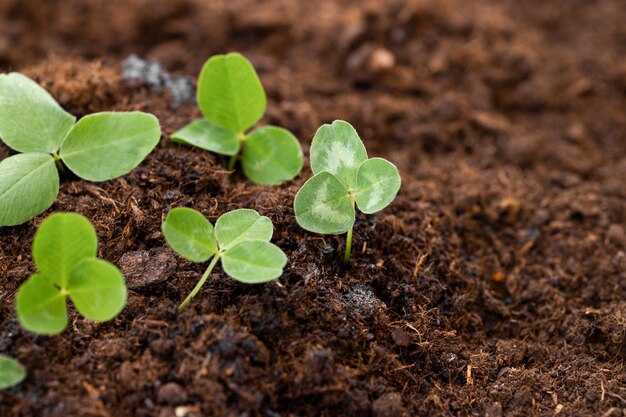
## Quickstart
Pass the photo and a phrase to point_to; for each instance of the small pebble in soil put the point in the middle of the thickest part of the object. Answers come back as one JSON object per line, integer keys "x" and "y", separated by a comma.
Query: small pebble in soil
{"x": 143, "y": 268}
{"x": 171, "y": 393}
{"x": 389, "y": 405}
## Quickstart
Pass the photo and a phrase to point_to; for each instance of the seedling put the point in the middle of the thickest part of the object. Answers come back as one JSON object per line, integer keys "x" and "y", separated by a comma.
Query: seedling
{"x": 64, "y": 251}
{"x": 11, "y": 372}
{"x": 232, "y": 100}
{"x": 343, "y": 177}
{"x": 241, "y": 239}
{"x": 99, "y": 147}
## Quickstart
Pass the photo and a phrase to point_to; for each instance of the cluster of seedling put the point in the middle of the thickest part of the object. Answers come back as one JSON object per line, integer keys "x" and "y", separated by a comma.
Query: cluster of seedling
{"x": 104, "y": 146}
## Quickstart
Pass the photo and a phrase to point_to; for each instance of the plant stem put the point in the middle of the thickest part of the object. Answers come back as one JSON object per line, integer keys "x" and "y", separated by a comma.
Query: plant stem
{"x": 346, "y": 256}
{"x": 232, "y": 162}
{"x": 200, "y": 283}
{"x": 58, "y": 163}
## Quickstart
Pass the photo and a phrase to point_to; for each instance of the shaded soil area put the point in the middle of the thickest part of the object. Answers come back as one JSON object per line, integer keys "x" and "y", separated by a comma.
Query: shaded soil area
{"x": 495, "y": 284}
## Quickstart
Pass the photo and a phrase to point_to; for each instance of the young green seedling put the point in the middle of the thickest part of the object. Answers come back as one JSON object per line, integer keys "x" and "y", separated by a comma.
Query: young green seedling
{"x": 232, "y": 100}
{"x": 64, "y": 250}
{"x": 343, "y": 177}
{"x": 241, "y": 239}
{"x": 11, "y": 372}
{"x": 99, "y": 147}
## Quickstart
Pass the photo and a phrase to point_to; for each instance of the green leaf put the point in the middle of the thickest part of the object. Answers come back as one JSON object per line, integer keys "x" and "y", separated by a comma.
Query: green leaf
{"x": 29, "y": 184}
{"x": 242, "y": 225}
{"x": 377, "y": 184}
{"x": 230, "y": 93}
{"x": 323, "y": 205}
{"x": 107, "y": 145}
{"x": 97, "y": 289}
{"x": 337, "y": 148}
{"x": 254, "y": 262}
{"x": 61, "y": 242}
{"x": 190, "y": 234}
{"x": 30, "y": 119}
{"x": 271, "y": 155}
{"x": 40, "y": 306}
{"x": 11, "y": 372}
{"x": 208, "y": 136}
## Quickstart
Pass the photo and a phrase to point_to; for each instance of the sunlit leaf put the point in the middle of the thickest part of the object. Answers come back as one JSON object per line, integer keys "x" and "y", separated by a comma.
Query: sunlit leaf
{"x": 30, "y": 119}
{"x": 11, "y": 372}
{"x": 208, "y": 136}
{"x": 230, "y": 93}
{"x": 40, "y": 306}
{"x": 61, "y": 242}
{"x": 242, "y": 225}
{"x": 107, "y": 145}
{"x": 271, "y": 155}
{"x": 29, "y": 184}
{"x": 377, "y": 184}
{"x": 254, "y": 262}
{"x": 323, "y": 205}
{"x": 190, "y": 234}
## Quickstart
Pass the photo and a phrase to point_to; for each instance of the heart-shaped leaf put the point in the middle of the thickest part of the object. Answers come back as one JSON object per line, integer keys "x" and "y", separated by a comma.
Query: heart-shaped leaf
{"x": 30, "y": 119}
{"x": 107, "y": 145}
{"x": 29, "y": 184}
{"x": 208, "y": 136}
{"x": 377, "y": 184}
{"x": 190, "y": 234}
{"x": 271, "y": 155}
{"x": 242, "y": 225}
{"x": 11, "y": 372}
{"x": 40, "y": 306}
{"x": 254, "y": 262}
{"x": 230, "y": 93}
{"x": 323, "y": 205}
{"x": 97, "y": 289}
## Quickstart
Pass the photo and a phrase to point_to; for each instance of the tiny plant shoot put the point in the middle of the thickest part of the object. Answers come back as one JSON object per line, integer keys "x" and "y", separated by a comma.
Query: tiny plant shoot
{"x": 11, "y": 372}
{"x": 343, "y": 177}
{"x": 241, "y": 239}
{"x": 64, "y": 251}
{"x": 232, "y": 100}
{"x": 99, "y": 147}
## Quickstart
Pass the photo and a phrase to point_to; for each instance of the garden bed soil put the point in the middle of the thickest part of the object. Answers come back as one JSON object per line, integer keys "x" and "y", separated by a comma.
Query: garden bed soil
{"x": 495, "y": 284}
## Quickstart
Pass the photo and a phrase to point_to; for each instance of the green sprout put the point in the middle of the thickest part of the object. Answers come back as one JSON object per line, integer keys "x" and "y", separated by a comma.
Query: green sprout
{"x": 64, "y": 251}
{"x": 241, "y": 239}
{"x": 99, "y": 147}
{"x": 343, "y": 177}
{"x": 11, "y": 372}
{"x": 232, "y": 100}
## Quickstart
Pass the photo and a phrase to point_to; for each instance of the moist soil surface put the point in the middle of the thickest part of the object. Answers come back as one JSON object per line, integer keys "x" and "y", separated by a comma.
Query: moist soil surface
{"x": 495, "y": 284}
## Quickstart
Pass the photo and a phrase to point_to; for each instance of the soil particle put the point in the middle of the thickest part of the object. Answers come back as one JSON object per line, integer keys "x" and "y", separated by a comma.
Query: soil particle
{"x": 144, "y": 268}
{"x": 389, "y": 405}
{"x": 172, "y": 394}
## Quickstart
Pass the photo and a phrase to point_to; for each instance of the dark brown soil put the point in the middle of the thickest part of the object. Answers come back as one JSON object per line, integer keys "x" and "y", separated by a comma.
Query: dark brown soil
{"x": 494, "y": 285}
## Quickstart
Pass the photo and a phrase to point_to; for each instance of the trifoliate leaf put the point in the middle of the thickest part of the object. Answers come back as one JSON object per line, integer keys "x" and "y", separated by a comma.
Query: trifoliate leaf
{"x": 107, "y": 145}
{"x": 323, "y": 205}
{"x": 242, "y": 225}
{"x": 11, "y": 372}
{"x": 377, "y": 184}
{"x": 40, "y": 306}
{"x": 337, "y": 148}
{"x": 271, "y": 155}
{"x": 29, "y": 184}
{"x": 208, "y": 136}
{"x": 97, "y": 289}
{"x": 254, "y": 262}
{"x": 30, "y": 119}
{"x": 190, "y": 234}
{"x": 61, "y": 242}
{"x": 230, "y": 93}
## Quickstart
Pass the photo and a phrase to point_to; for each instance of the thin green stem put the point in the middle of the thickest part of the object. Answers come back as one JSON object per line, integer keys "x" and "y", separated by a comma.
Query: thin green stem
{"x": 232, "y": 162}
{"x": 346, "y": 256}
{"x": 57, "y": 161}
{"x": 200, "y": 283}
{"x": 233, "y": 159}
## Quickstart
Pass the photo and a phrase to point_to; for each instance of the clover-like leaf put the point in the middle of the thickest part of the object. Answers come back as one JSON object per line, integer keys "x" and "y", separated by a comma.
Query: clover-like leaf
{"x": 209, "y": 136}
{"x": 40, "y": 306}
{"x": 254, "y": 262}
{"x": 337, "y": 148}
{"x": 323, "y": 205}
{"x": 97, "y": 289}
{"x": 11, "y": 372}
{"x": 377, "y": 184}
{"x": 29, "y": 184}
{"x": 190, "y": 234}
{"x": 242, "y": 225}
{"x": 230, "y": 93}
{"x": 271, "y": 155}
{"x": 62, "y": 241}
{"x": 30, "y": 119}
{"x": 107, "y": 145}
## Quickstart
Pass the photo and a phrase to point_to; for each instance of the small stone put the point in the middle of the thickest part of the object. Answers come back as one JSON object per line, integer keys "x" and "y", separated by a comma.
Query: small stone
{"x": 381, "y": 60}
{"x": 171, "y": 393}
{"x": 389, "y": 405}
{"x": 401, "y": 337}
{"x": 616, "y": 234}
{"x": 142, "y": 268}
